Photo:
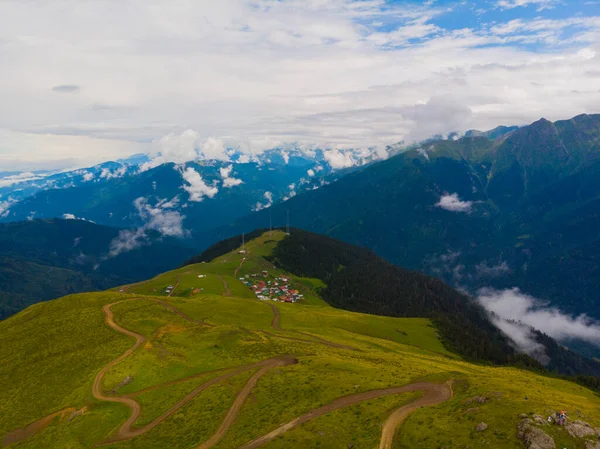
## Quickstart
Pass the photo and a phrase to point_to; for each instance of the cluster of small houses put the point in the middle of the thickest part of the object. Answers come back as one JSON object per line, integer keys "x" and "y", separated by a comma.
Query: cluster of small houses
{"x": 276, "y": 289}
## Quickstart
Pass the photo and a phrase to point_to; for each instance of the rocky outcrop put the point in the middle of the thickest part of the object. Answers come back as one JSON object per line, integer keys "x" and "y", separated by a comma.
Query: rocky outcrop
{"x": 476, "y": 400}
{"x": 581, "y": 429}
{"x": 481, "y": 427}
{"x": 592, "y": 444}
{"x": 533, "y": 437}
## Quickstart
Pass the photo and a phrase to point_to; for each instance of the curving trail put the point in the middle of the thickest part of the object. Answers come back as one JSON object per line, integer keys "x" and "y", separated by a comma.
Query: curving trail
{"x": 139, "y": 339}
{"x": 434, "y": 394}
{"x": 127, "y": 432}
{"x": 97, "y": 387}
{"x": 241, "y": 398}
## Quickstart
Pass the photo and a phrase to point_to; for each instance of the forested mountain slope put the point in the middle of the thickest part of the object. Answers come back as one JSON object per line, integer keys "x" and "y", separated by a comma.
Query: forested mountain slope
{"x": 356, "y": 279}
{"x": 46, "y": 259}
{"x": 515, "y": 209}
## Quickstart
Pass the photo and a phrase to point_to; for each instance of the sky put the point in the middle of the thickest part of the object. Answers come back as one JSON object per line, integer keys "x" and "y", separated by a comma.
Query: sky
{"x": 88, "y": 81}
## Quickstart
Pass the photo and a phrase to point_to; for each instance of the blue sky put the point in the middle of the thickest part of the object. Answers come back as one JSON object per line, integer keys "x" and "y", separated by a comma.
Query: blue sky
{"x": 89, "y": 81}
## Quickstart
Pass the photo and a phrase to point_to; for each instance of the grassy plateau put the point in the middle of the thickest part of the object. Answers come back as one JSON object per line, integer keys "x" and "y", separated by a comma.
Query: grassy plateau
{"x": 216, "y": 367}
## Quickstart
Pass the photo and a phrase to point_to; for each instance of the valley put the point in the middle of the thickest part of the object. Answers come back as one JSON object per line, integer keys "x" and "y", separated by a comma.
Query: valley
{"x": 210, "y": 365}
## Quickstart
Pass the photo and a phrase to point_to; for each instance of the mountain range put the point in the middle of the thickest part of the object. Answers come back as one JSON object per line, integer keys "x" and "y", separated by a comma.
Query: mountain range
{"x": 509, "y": 215}
{"x": 517, "y": 208}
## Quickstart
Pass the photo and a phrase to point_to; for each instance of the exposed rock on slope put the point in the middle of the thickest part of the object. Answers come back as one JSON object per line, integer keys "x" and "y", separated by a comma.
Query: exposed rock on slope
{"x": 534, "y": 437}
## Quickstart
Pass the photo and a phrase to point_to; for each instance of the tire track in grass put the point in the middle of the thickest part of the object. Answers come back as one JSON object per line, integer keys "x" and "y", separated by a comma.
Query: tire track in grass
{"x": 127, "y": 431}
{"x": 434, "y": 394}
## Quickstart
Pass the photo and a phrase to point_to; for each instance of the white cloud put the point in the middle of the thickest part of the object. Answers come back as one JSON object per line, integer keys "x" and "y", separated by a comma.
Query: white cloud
{"x": 214, "y": 148}
{"x": 177, "y": 148}
{"x": 205, "y": 76}
{"x": 88, "y": 176}
{"x": 310, "y": 172}
{"x": 18, "y": 178}
{"x": 243, "y": 159}
{"x": 107, "y": 174}
{"x": 231, "y": 182}
{"x": 160, "y": 218}
{"x": 452, "y": 203}
{"x": 485, "y": 269}
{"x": 524, "y": 338}
{"x": 259, "y": 206}
{"x": 339, "y": 159}
{"x": 127, "y": 240}
{"x": 423, "y": 152}
{"x": 196, "y": 187}
{"x": 5, "y": 208}
{"x": 46, "y": 151}
{"x": 68, "y": 217}
{"x": 514, "y": 305}
{"x": 225, "y": 172}
{"x": 541, "y": 4}
{"x": 228, "y": 181}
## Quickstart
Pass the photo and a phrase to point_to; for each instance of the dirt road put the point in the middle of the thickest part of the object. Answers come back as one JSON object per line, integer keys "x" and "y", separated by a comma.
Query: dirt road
{"x": 139, "y": 339}
{"x": 127, "y": 432}
{"x": 31, "y": 429}
{"x": 241, "y": 398}
{"x": 434, "y": 394}
{"x": 225, "y": 285}
{"x": 275, "y": 322}
{"x": 175, "y": 287}
{"x": 97, "y": 387}
{"x": 238, "y": 267}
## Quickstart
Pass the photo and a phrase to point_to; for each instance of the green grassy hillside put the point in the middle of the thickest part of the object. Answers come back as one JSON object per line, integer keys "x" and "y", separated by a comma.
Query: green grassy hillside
{"x": 212, "y": 366}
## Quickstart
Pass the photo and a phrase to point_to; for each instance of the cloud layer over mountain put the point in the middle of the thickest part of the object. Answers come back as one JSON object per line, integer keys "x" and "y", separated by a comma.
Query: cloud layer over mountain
{"x": 88, "y": 81}
{"x": 516, "y": 313}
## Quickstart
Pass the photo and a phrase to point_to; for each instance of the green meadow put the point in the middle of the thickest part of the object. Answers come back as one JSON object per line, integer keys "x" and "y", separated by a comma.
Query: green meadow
{"x": 52, "y": 352}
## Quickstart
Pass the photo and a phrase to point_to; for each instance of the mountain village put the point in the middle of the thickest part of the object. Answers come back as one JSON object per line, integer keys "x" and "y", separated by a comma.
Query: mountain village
{"x": 273, "y": 289}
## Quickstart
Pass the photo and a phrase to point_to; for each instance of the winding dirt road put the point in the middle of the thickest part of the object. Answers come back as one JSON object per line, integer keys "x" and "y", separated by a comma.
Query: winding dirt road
{"x": 139, "y": 339}
{"x": 127, "y": 432}
{"x": 241, "y": 398}
{"x": 434, "y": 394}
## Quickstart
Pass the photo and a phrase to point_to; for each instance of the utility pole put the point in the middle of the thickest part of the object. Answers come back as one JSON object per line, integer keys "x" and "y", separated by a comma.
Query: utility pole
{"x": 243, "y": 243}
{"x": 287, "y": 226}
{"x": 270, "y": 224}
